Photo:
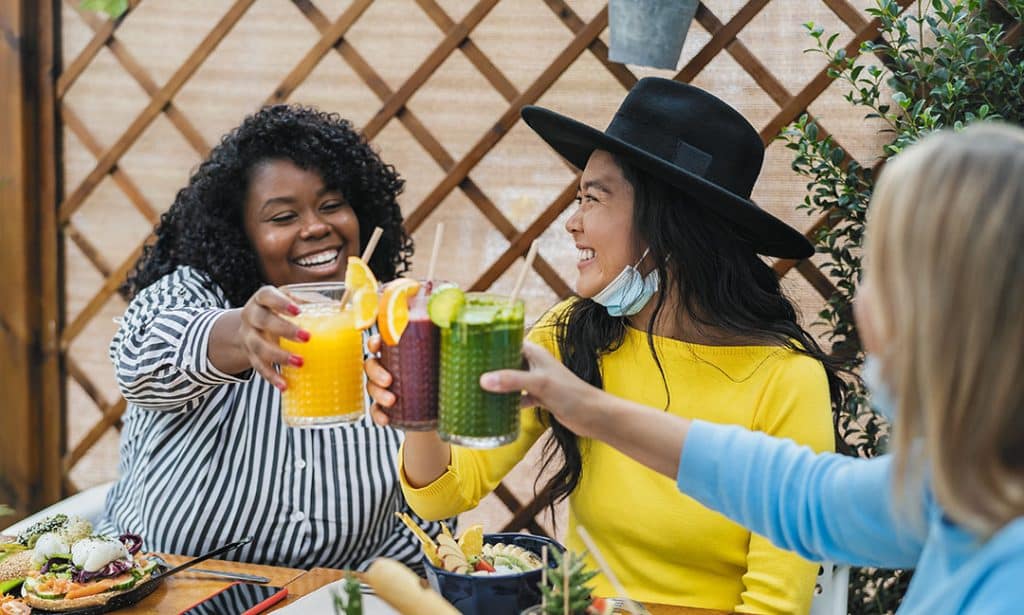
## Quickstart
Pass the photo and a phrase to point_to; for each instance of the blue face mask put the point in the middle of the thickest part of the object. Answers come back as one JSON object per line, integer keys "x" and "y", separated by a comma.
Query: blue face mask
{"x": 880, "y": 396}
{"x": 629, "y": 292}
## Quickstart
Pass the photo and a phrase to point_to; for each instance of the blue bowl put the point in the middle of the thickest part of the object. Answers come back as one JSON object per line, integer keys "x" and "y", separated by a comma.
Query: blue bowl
{"x": 499, "y": 594}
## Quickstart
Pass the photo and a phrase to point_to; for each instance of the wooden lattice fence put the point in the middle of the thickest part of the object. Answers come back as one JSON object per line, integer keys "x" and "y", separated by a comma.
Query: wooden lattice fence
{"x": 119, "y": 120}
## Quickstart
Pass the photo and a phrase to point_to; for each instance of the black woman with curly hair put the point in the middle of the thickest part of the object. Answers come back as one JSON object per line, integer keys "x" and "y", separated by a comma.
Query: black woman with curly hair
{"x": 284, "y": 198}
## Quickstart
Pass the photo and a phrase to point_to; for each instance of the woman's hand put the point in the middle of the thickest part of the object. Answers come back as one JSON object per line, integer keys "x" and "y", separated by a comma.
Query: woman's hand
{"x": 378, "y": 380}
{"x": 262, "y": 325}
{"x": 548, "y": 384}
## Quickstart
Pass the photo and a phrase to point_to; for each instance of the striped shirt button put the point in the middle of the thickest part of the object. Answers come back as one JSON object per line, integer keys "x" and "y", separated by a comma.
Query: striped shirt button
{"x": 298, "y": 516}
{"x": 300, "y": 464}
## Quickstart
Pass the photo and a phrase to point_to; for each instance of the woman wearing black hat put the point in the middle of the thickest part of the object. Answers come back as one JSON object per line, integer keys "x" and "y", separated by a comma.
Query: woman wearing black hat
{"x": 676, "y": 311}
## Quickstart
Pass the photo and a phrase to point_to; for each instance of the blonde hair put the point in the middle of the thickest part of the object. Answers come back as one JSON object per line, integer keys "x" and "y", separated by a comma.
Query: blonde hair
{"x": 945, "y": 254}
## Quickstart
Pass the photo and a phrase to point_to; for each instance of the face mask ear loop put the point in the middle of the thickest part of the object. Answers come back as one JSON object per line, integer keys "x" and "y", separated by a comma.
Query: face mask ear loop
{"x": 642, "y": 257}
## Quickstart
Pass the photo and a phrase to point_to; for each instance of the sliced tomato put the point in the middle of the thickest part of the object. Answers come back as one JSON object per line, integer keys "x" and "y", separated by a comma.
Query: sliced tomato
{"x": 96, "y": 587}
{"x": 483, "y": 565}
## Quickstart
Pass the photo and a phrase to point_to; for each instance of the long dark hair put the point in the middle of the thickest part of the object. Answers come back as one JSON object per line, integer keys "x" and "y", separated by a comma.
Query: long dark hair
{"x": 203, "y": 227}
{"x": 720, "y": 282}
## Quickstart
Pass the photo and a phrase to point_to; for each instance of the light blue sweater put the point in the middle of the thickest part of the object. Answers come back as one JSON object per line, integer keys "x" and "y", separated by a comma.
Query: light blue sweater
{"x": 830, "y": 507}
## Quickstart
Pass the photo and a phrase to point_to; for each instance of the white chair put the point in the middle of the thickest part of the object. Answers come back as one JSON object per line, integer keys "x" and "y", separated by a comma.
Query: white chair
{"x": 830, "y": 592}
{"x": 88, "y": 504}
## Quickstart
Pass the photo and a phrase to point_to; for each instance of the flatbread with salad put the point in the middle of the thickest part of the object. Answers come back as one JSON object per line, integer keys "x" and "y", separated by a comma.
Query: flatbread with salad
{"x": 70, "y": 568}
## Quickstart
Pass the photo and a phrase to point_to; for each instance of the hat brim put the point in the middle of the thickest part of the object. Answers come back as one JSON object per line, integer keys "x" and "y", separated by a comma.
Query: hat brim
{"x": 576, "y": 141}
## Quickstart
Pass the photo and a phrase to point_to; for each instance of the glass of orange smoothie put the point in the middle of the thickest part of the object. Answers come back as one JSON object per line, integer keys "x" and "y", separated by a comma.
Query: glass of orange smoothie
{"x": 328, "y": 389}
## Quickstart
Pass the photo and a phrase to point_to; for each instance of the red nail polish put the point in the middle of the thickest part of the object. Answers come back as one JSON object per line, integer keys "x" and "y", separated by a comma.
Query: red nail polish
{"x": 281, "y": 386}
{"x": 303, "y": 335}
{"x": 295, "y": 360}
{"x": 293, "y": 309}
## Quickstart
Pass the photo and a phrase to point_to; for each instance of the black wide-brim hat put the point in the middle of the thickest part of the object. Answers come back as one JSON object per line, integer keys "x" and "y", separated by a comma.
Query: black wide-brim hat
{"x": 690, "y": 139}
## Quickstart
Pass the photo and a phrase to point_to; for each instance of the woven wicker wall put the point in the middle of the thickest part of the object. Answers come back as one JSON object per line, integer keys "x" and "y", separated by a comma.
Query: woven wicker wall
{"x": 141, "y": 101}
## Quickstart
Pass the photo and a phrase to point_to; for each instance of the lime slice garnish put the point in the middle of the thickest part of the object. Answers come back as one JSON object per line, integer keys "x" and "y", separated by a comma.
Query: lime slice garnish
{"x": 444, "y": 306}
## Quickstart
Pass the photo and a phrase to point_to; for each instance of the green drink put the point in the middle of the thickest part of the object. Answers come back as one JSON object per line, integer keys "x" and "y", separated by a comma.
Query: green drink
{"x": 485, "y": 333}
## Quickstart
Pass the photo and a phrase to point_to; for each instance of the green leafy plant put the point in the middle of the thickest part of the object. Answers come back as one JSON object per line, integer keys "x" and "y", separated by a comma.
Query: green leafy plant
{"x": 113, "y": 8}
{"x": 942, "y": 63}
{"x": 579, "y": 592}
{"x": 351, "y": 601}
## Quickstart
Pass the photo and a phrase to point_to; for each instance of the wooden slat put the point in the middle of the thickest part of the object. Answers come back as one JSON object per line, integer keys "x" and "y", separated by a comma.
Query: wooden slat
{"x": 91, "y": 252}
{"x": 459, "y": 172}
{"x": 515, "y": 506}
{"x": 521, "y": 244}
{"x": 849, "y": 14}
{"x": 720, "y": 39}
{"x": 141, "y": 76}
{"x": 95, "y": 304}
{"x": 76, "y": 372}
{"x": 451, "y": 41}
{"x": 111, "y": 414}
{"x": 123, "y": 181}
{"x": 101, "y": 36}
{"x": 820, "y": 82}
{"x": 564, "y": 12}
{"x": 155, "y": 106}
{"x": 488, "y": 69}
{"x": 328, "y": 39}
{"x": 433, "y": 147}
{"x": 817, "y": 279}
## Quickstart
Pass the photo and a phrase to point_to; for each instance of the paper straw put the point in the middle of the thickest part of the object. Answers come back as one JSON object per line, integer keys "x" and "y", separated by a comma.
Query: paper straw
{"x": 605, "y": 568}
{"x": 438, "y": 234}
{"x": 543, "y": 577}
{"x": 372, "y": 244}
{"x": 527, "y": 265}
{"x": 367, "y": 253}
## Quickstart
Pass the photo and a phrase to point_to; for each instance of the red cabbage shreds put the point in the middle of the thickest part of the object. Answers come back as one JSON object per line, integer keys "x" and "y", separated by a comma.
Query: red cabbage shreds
{"x": 58, "y": 562}
{"x": 113, "y": 569}
{"x": 132, "y": 542}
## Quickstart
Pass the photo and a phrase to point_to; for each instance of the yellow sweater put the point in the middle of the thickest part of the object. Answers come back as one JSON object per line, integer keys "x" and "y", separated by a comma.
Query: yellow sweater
{"x": 663, "y": 545}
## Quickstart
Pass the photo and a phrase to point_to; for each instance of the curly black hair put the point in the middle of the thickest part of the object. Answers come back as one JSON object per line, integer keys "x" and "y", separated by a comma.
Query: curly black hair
{"x": 204, "y": 226}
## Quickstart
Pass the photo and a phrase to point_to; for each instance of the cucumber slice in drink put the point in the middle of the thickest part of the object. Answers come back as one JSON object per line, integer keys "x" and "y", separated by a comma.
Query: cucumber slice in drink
{"x": 444, "y": 306}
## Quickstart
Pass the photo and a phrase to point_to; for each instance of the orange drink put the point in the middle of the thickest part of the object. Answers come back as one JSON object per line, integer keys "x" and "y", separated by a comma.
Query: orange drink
{"x": 328, "y": 389}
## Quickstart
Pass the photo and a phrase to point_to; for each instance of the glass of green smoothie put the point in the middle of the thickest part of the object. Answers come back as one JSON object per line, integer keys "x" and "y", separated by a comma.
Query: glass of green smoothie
{"x": 480, "y": 332}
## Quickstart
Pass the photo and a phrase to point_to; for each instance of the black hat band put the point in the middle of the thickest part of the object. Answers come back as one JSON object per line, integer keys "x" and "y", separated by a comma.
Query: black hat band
{"x": 659, "y": 143}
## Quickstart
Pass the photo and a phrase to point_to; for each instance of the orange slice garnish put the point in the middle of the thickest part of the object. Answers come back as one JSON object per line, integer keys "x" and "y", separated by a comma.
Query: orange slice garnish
{"x": 364, "y": 307}
{"x": 359, "y": 276}
{"x": 394, "y": 309}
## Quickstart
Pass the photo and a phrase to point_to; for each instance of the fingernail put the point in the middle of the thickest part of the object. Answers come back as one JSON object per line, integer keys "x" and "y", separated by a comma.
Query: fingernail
{"x": 295, "y": 360}
{"x": 293, "y": 309}
{"x": 303, "y": 335}
{"x": 488, "y": 381}
{"x": 281, "y": 386}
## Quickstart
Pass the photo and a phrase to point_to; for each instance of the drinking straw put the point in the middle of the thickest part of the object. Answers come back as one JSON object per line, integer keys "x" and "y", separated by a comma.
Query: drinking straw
{"x": 605, "y": 568}
{"x": 367, "y": 253}
{"x": 372, "y": 244}
{"x": 544, "y": 576}
{"x": 438, "y": 234}
{"x": 532, "y": 254}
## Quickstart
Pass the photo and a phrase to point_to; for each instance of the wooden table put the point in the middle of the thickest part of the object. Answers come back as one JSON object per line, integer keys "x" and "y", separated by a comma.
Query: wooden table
{"x": 187, "y": 588}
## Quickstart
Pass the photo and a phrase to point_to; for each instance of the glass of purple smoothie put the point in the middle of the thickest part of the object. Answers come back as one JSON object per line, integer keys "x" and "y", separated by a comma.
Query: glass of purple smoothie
{"x": 413, "y": 364}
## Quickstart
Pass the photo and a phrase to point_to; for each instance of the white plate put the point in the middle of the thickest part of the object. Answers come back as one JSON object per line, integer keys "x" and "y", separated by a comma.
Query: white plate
{"x": 322, "y": 601}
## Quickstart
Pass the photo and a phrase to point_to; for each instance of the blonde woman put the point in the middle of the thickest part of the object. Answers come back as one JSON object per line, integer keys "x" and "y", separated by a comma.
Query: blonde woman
{"x": 941, "y": 314}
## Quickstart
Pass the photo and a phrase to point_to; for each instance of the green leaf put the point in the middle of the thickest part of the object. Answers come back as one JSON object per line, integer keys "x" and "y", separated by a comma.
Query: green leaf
{"x": 113, "y": 8}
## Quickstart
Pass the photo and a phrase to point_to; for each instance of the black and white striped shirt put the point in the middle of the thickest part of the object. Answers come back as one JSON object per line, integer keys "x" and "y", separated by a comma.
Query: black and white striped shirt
{"x": 206, "y": 459}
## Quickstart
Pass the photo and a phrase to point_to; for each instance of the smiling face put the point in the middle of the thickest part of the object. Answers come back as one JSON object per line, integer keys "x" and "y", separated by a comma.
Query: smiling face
{"x": 301, "y": 231}
{"x": 602, "y": 225}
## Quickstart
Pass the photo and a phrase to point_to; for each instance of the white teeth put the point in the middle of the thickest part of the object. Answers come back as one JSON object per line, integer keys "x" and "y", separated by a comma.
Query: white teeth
{"x": 585, "y": 254}
{"x": 320, "y": 258}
